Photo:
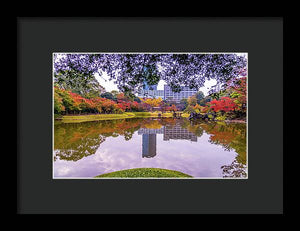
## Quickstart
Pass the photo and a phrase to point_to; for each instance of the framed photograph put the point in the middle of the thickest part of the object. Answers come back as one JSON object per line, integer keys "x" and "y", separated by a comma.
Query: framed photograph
{"x": 111, "y": 114}
{"x": 150, "y": 115}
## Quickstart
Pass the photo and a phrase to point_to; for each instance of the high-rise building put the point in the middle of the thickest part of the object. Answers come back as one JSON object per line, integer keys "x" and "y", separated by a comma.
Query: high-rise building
{"x": 150, "y": 91}
{"x": 185, "y": 92}
{"x": 151, "y": 94}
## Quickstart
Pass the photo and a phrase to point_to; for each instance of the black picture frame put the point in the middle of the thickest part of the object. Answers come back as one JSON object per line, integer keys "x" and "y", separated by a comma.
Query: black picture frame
{"x": 261, "y": 193}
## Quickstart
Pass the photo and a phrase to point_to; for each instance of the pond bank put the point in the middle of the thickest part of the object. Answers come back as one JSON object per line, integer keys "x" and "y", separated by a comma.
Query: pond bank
{"x": 235, "y": 121}
{"x": 126, "y": 115}
{"x": 96, "y": 117}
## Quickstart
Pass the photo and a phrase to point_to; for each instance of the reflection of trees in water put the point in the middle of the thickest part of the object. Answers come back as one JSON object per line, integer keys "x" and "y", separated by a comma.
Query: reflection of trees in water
{"x": 230, "y": 136}
{"x": 79, "y": 149}
{"x": 78, "y": 140}
{"x": 235, "y": 169}
{"x": 168, "y": 121}
{"x": 152, "y": 124}
{"x": 191, "y": 126}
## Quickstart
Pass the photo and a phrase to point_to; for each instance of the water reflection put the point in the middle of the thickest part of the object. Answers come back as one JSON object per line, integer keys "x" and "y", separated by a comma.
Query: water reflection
{"x": 75, "y": 142}
{"x": 175, "y": 132}
{"x": 149, "y": 145}
{"x": 230, "y": 137}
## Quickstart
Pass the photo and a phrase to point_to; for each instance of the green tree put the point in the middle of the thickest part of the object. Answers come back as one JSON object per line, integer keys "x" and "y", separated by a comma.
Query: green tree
{"x": 115, "y": 93}
{"x": 192, "y": 100}
{"x": 205, "y": 100}
{"x": 199, "y": 96}
{"x": 137, "y": 99}
{"x": 189, "y": 109}
{"x": 184, "y": 102}
{"x": 108, "y": 95}
{"x": 67, "y": 101}
{"x": 58, "y": 102}
{"x": 85, "y": 85}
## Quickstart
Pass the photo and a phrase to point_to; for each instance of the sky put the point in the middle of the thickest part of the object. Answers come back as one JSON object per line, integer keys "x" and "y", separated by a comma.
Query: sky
{"x": 109, "y": 85}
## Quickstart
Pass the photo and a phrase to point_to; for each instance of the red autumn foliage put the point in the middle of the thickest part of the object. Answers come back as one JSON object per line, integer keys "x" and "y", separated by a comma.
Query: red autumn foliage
{"x": 171, "y": 108}
{"x": 224, "y": 104}
{"x": 75, "y": 103}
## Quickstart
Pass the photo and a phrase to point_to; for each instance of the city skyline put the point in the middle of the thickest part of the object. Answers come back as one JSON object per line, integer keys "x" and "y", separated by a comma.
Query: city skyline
{"x": 109, "y": 85}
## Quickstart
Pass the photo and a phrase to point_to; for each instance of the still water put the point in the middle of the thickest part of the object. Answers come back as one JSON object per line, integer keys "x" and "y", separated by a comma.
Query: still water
{"x": 199, "y": 149}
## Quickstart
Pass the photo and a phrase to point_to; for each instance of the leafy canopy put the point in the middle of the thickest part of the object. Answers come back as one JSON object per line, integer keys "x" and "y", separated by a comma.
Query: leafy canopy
{"x": 131, "y": 71}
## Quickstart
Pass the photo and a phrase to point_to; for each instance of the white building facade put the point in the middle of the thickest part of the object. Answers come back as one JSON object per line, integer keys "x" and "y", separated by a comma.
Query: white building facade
{"x": 151, "y": 94}
{"x": 177, "y": 96}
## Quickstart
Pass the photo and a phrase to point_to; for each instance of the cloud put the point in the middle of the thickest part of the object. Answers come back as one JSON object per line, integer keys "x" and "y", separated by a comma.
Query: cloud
{"x": 199, "y": 159}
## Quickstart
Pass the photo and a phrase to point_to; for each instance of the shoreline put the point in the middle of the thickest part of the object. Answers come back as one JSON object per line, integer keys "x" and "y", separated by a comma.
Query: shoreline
{"x": 235, "y": 121}
{"x": 98, "y": 117}
{"x": 126, "y": 115}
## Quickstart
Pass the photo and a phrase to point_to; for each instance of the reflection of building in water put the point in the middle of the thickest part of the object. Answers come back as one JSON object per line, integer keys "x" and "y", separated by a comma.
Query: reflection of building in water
{"x": 149, "y": 141}
{"x": 178, "y": 133}
{"x": 149, "y": 145}
{"x": 151, "y": 131}
{"x": 175, "y": 133}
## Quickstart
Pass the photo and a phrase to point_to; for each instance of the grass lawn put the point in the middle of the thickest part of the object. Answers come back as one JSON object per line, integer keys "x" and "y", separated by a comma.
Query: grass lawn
{"x": 145, "y": 172}
{"x": 185, "y": 115}
{"x": 96, "y": 117}
{"x": 84, "y": 118}
{"x": 150, "y": 114}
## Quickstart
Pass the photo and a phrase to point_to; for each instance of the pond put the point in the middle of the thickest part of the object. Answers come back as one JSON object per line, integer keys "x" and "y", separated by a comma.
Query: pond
{"x": 199, "y": 149}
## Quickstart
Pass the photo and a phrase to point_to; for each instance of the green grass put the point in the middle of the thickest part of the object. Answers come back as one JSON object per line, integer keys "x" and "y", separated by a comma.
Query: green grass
{"x": 96, "y": 117}
{"x": 185, "y": 115}
{"x": 140, "y": 114}
{"x": 151, "y": 114}
{"x": 145, "y": 172}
